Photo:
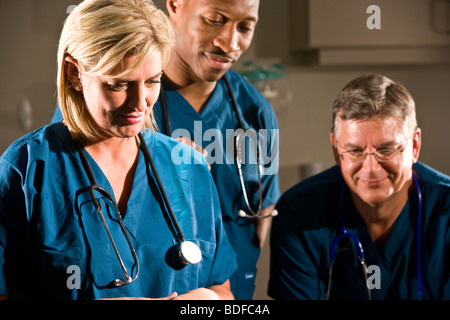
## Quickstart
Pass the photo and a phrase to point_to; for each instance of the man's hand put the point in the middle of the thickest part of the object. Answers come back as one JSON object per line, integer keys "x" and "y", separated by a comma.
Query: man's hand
{"x": 195, "y": 146}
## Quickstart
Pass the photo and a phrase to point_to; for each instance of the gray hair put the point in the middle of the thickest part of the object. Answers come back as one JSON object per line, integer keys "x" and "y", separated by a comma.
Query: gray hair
{"x": 374, "y": 96}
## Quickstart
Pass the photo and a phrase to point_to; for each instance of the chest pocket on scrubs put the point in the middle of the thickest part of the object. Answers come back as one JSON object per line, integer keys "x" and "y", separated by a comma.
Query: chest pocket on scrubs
{"x": 193, "y": 276}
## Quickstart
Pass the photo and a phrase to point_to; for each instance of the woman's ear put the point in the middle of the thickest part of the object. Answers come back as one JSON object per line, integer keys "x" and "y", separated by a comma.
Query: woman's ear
{"x": 73, "y": 73}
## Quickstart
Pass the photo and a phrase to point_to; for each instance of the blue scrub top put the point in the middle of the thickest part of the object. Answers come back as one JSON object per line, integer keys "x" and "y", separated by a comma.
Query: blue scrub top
{"x": 257, "y": 115}
{"x": 213, "y": 129}
{"x": 302, "y": 234}
{"x": 50, "y": 232}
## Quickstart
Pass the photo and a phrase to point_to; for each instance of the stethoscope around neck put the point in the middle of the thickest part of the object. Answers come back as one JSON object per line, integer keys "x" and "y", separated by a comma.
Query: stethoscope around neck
{"x": 188, "y": 251}
{"x": 238, "y": 155}
{"x": 344, "y": 233}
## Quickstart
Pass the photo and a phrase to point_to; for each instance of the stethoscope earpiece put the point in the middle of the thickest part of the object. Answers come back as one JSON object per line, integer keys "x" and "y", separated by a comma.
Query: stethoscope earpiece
{"x": 243, "y": 214}
{"x": 120, "y": 282}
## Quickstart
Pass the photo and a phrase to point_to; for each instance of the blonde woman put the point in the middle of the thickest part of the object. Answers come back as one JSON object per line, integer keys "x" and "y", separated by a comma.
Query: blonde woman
{"x": 91, "y": 209}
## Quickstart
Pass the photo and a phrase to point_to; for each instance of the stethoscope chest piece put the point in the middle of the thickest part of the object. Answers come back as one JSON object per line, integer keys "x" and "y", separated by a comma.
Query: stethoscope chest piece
{"x": 190, "y": 253}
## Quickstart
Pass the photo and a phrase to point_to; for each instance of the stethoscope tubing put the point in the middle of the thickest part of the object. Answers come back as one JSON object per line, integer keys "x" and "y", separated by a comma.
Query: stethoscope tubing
{"x": 418, "y": 237}
{"x": 189, "y": 252}
{"x": 241, "y": 212}
{"x": 344, "y": 233}
{"x": 185, "y": 254}
{"x": 161, "y": 188}
{"x": 94, "y": 186}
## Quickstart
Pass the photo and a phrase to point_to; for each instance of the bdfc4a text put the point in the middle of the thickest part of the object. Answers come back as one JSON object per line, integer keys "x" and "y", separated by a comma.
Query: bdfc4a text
{"x": 228, "y": 309}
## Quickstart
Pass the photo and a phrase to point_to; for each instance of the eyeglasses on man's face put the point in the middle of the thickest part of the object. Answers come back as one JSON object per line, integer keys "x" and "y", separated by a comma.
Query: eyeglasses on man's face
{"x": 382, "y": 155}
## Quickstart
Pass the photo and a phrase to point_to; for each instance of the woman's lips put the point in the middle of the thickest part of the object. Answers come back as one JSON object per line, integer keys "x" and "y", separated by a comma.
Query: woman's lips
{"x": 133, "y": 119}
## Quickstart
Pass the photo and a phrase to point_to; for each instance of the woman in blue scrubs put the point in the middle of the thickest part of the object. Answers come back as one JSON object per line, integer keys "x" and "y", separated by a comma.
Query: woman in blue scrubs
{"x": 211, "y": 35}
{"x": 378, "y": 197}
{"x": 53, "y": 243}
{"x": 195, "y": 106}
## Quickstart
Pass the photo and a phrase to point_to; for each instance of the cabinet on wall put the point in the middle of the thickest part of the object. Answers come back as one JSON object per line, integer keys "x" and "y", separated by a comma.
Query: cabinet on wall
{"x": 344, "y": 32}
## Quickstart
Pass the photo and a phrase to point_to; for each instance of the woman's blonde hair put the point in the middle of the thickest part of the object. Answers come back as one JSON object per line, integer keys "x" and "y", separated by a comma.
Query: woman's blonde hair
{"x": 99, "y": 34}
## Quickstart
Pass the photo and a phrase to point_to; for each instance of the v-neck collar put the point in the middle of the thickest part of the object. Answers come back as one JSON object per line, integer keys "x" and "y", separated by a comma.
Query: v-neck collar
{"x": 134, "y": 208}
{"x": 395, "y": 243}
{"x": 397, "y": 238}
{"x": 213, "y": 105}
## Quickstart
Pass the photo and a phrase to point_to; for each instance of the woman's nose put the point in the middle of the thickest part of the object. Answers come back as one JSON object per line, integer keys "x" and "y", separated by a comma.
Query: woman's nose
{"x": 138, "y": 99}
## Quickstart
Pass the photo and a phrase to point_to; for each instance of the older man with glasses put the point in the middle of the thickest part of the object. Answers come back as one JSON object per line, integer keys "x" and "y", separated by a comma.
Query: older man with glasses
{"x": 377, "y": 224}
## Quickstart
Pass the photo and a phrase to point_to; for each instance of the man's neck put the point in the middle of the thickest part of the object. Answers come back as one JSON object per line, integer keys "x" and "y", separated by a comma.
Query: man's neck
{"x": 380, "y": 218}
{"x": 194, "y": 90}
